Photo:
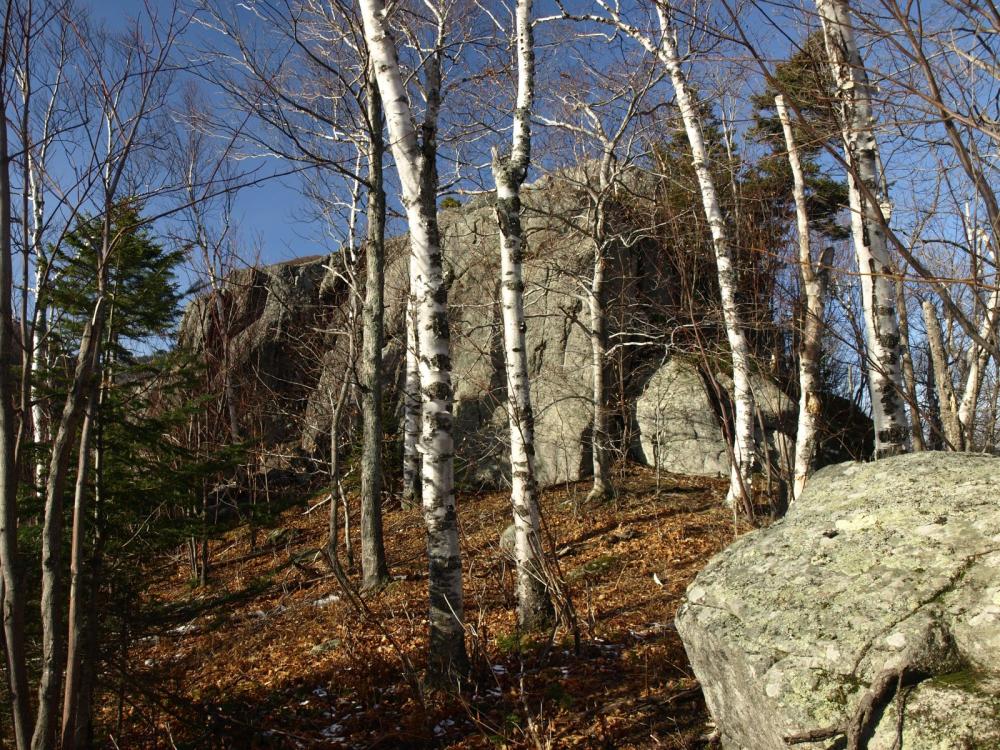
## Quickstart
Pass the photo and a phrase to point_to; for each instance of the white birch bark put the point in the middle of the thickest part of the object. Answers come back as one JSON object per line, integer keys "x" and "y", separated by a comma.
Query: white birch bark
{"x": 534, "y": 607}
{"x": 892, "y": 433}
{"x": 39, "y": 369}
{"x": 411, "y": 403}
{"x": 814, "y": 289}
{"x": 599, "y": 439}
{"x": 978, "y": 356}
{"x": 976, "y": 364}
{"x": 947, "y": 403}
{"x": 39, "y": 327}
{"x": 743, "y": 432}
{"x": 447, "y": 655}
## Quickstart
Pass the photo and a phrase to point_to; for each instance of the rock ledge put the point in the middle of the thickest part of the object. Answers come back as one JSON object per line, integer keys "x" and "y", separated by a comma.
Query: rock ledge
{"x": 878, "y": 566}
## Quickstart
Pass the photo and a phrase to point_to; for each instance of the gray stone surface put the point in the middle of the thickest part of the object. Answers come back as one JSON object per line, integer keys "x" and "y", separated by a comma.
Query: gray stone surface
{"x": 289, "y": 315}
{"x": 878, "y": 564}
{"x": 291, "y": 355}
{"x": 273, "y": 312}
{"x": 679, "y": 430}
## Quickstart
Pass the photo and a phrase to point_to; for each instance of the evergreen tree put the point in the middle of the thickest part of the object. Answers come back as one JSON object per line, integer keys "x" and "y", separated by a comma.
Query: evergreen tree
{"x": 144, "y": 486}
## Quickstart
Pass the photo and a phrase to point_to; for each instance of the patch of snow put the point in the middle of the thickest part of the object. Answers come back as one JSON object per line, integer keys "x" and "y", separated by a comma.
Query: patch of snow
{"x": 333, "y": 732}
{"x": 442, "y": 726}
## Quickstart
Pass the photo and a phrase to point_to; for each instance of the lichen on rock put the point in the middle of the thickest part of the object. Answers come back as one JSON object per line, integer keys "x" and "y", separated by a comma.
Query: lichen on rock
{"x": 877, "y": 567}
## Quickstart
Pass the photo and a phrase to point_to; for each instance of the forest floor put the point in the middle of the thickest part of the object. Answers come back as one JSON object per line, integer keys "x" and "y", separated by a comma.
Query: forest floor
{"x": 271, "y": 654}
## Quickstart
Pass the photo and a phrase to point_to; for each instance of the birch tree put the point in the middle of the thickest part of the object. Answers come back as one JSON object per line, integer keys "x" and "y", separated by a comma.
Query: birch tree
{"x": 126, "y": 100}
{"x": 317, "y": 105}
{"x": 743, "y": 431}
{"x": 603, "y": 113}
{"x": 664, "y": 47}
{"x": 813, "y": 285}
{"x": 417, "y": 172}
{"x": 534, "y": 606}
{"x": 977, "y": 359}
{"x": 45, "y": 54}
{"x": 868, "y": 219}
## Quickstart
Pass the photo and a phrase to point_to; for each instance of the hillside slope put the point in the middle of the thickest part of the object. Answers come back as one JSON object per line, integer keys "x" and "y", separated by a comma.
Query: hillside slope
{"x": 271, "y": 654}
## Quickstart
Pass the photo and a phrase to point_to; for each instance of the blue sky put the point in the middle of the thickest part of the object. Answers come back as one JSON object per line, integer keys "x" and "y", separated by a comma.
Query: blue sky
{"x": 269, "y": 216}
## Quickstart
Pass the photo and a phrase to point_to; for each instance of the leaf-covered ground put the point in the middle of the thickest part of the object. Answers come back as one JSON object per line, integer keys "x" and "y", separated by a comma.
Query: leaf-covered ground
{"x": 270, "y": 653}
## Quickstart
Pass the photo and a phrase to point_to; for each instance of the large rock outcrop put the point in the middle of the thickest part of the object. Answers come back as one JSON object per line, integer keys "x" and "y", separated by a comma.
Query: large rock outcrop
{"x": 290, "y": 354}
{"x": 879, "y": 566}
{"x": 260, "y": 330}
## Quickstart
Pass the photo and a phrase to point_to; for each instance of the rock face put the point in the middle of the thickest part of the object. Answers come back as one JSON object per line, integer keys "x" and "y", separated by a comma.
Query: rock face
{"x": 288, "y": 348}
{"x": 270, "y": 313}
{"x": 679, "y": 425}
{"x": 679, "y": 428}
{"x": 557, "y": 341}
{"x": 878, "y": 566}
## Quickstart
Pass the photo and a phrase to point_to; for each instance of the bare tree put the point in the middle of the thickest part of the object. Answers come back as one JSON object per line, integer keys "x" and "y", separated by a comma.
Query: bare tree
{"x": 415, "y": 163}
{"x": 605, "y": 116}
{"x": 126, "y": 100}
{"x": 317, "y": 104}
{"x": 892, "y": 433}
{"x": 814, "y": 288}
{"x": 13, "y": 592}
{"x": 664, "y": 47}
{"x": 534, "y": 606}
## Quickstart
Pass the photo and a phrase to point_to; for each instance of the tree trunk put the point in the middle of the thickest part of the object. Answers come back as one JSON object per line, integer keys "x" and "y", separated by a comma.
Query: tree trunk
{"x": 935, "y": 429}
{"x": 90, "y": 649}
{"x": 336, "y": 496}
{"x": 53, "y": 635}
{"x": 977, "y": 359}
{"x": 38, "y": 369}
{"x": 13, "y": 599}
{"x": 411, "y": 404}
{"x": 892, "y": 433}
{"x": 743, "y": 432}
{"x": 75, "y": 642}
{"x": 814, "y": 289}
{"x": 417, "y": 177}
{"x": 534, "y": 606}
{"x": 909, "y": 379}
{"x": 947, "y": 402}
{"x": 336, "y": 409}
{"x": 599, "y": 438}
{"x": 374, "y": 570}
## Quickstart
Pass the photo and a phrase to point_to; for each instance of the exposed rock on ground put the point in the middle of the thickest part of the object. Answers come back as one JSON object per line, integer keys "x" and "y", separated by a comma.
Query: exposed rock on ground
{"x": 679, "y": 424}
{"x": 878, "y": 567}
